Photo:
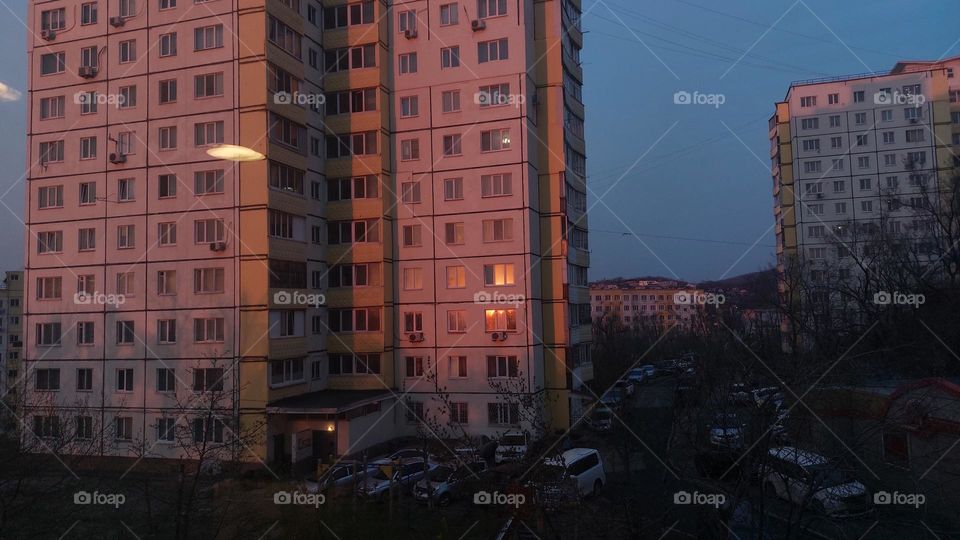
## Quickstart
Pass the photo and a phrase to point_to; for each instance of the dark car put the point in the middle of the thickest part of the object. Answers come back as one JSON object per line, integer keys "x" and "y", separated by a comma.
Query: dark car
{"x": 448, "y": 482}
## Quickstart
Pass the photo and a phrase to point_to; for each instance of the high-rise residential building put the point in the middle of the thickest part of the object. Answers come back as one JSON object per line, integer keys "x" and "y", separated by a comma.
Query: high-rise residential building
{"x": 11, "y": 298}
{"x": 856, "y": 156}
{"x": 646, "y": 304}
{"x": 419, "y": 220}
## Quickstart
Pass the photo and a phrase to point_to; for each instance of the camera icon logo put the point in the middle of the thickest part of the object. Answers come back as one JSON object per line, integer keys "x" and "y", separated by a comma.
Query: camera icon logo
{"x": 482, "y": 497}
{"x": 882, "y": 98}
{"x": 82, "y": 298}
{"x": 282, "y": 497}
{"x": 881, "y": 497}
{"x": 481, "y": 98}
{"x": 682, "y": 98}
{"x": 283, "y": 98}
{"x": 482, "y": 297}
{"x": 82, "y": 497}
{"x": 682, "y": 497}
{"x": 882, "y": 298}
{"x": 683, "y": 298}
{"x": 282, "y": 298}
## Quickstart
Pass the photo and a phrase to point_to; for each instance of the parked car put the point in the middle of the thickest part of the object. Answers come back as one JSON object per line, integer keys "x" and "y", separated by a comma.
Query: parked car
{"x": 612, "y": 398}
{"x": 512, "y": 446}
{"x": 338, "y": 476}
{"x": 599, "y": 418}
{"x": 740, "y": 394}
{"x": 727, "y": 430}
{"x": 445, "y": 483}
{"x": 577, "y": 469}
{"x": 625, "y": 385}
{"x": 376, "y": 485}
{"x": 649, "y": 370}
{"x": 767, "y": 394}
{"x": 636, "y": 375}
{"x": 399, "y": 455}
{"x": 806, "y": 478}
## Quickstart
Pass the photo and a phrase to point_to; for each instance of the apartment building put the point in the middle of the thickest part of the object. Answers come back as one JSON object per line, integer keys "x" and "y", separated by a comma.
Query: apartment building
{"x": 642, "y": 303}
{"x": 852, "y": 156}
{"x": 418, "y": 218}
{"x": 11, "y": 297}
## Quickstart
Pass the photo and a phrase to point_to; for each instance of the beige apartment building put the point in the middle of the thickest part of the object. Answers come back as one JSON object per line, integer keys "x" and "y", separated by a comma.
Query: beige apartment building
{"x": 641, "y": 303}
{"x": 11, "y": 346}
{"x": 419, "y": 219}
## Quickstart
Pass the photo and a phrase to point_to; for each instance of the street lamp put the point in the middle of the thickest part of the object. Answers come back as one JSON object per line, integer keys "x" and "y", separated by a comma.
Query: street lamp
{"x": 232, "y": 152}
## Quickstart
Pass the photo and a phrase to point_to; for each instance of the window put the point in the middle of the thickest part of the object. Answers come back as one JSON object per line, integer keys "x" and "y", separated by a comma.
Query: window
{"x": 493, "y": 95}
{"x": 127, "y": 51}
{"x": 166, "y": 333}
{"x": 286, "y": 371}
{"x": 362, "y": 56}
{"x": 863, "y": 140}
{"x": 449, "y": 14}
{"x": 866, "y": 206}
{"x": 50, "y": 242}
{"x": 356, "y": 144}
{"x": 410, "y": 192}
{"x": 168, "y": 138}
{"x": 409, "y": 106}
{"x": 491, "y": 8}
{"x": 450, "y": 101}
{"x": 207, "y": 133}
{"x": 497, "y": 230}
{"x": 503, "y": 413}
{"x": 809, "y": 123}
{"x": 208, "y": 85}
{"x": 166, "y": 429}
{"x": 355, "y": 320}
{"x": 454, "y": 233}
{"x": 410, "y": 149}
{"x": 125, "y": 333}
{"x": 207, "y": 430}
{"x": 52, "y": 107}
{"x": 414, "y": 366}
{"x": 47, "y": 379}
{"x": 208, "y": 280}
{"x": 495, "y": 140}
{"x": 491, "y": 51}
{"x": 88, "y": 13}
{"x": 863, "y": 162}
{"x": 353, "y": 101}
{"x": 125, "y": 380}
{"x": 500, "y": 320}
{"x": 406, "y": 20}
{"x": 408, "y": 63}
{"x": 413, "y": 321}
{"x": 51, "y": 152}
{"x": 208, "y": 182}
{"x": 48, "y": 288}
{"x": 414, "y": 411}
{"x": 357, "y": 187}
{"x": 835, "y": 120}
{"x": 88, "y": 193}
{"x": 88, "y": 102}
{"x": 840, "y": 208}
{"x": 85, "y": 335}
{"x": 90, "y": 57}
{"x": 127, "y": 98}
{"x": 866, "y": 184}
{"x": 859, "y": 96}
{"x": 170, "y": 4}
{"x": 87, "y": 239}
{"x": 449, "y": 57}
{"x": 353, "y": 232}
{"x": 452, "y": 145}
{"x": 50, "y": 197}
{"x": 208, "y": 330}
{"x": 84, "y": 379}
{"x": 457, "y": 366}
{"x": 354, "y": 275}
{"x": 453, "y": 189}
{"x": 168, "y": 91}
{"x": 207, "y": 231}
{"x": 886, "y": 115}
{"x": 502, "y": 366}
{"x": 412, "y": 236}
{"x": 811, "y": 145}
{"x": 914, "y": 135}
{"x": 286, "y": 178}
{"x": 456, "y": 321}
{"x": 86, "y": 284}
{"x": 167, "y": 187}
{"x": 456, "y": 277}
{"x": 412, "y": 279}
{"x": 166, "y": 282}
{"x": 211, "y": 37}
{"x": 53, "y": 63}
{"x": 839, "y": 186}
{"x": 833, "y": 99}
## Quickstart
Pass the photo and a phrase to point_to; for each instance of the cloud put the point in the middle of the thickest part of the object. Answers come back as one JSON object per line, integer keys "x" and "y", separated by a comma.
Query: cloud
{"x": 8, "y": 94}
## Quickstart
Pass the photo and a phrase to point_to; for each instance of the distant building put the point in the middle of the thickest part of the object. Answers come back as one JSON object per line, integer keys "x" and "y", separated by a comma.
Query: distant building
{"x": 639, "y": 303}
{"x": 11, "y": 300}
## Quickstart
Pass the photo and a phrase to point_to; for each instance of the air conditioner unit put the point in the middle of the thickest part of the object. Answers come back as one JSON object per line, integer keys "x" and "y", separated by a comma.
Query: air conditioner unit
{"x": 116, "y": 22}
{"x": 87, "y": 72}
{"x": 218, "y": 246}
{"x": 410, "y": 33}
{"x": 498, "y": 336}
{"x": 118, "y": 158}
{"x": 415, "y": 337}
{"x": 48, "y": 35}
{"x": 477, "y": 25}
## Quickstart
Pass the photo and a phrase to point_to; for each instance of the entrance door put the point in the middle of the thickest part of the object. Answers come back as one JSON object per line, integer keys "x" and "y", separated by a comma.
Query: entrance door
{"x": 324, "y": 445}
{"x": 279, "y": 448}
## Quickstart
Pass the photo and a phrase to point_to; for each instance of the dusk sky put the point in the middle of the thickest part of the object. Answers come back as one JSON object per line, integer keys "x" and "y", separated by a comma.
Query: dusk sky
{"x": 656, "y": 169}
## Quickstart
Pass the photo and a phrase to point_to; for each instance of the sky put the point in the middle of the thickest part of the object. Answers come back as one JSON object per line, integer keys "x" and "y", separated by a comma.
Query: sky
{"x": 675, "y": 190}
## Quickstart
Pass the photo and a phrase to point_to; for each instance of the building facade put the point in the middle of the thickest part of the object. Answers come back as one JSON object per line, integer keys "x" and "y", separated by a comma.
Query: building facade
{"x": 419, "y": 220}
{"x": 641, "y": 303}
{"x": 11, "y": 310}
{"x": 852, "y": 156}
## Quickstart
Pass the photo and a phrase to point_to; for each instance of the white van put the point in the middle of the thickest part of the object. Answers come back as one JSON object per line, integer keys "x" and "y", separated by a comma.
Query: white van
{"x": 580, "y": 466}
{"x": 803, "y": 477}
